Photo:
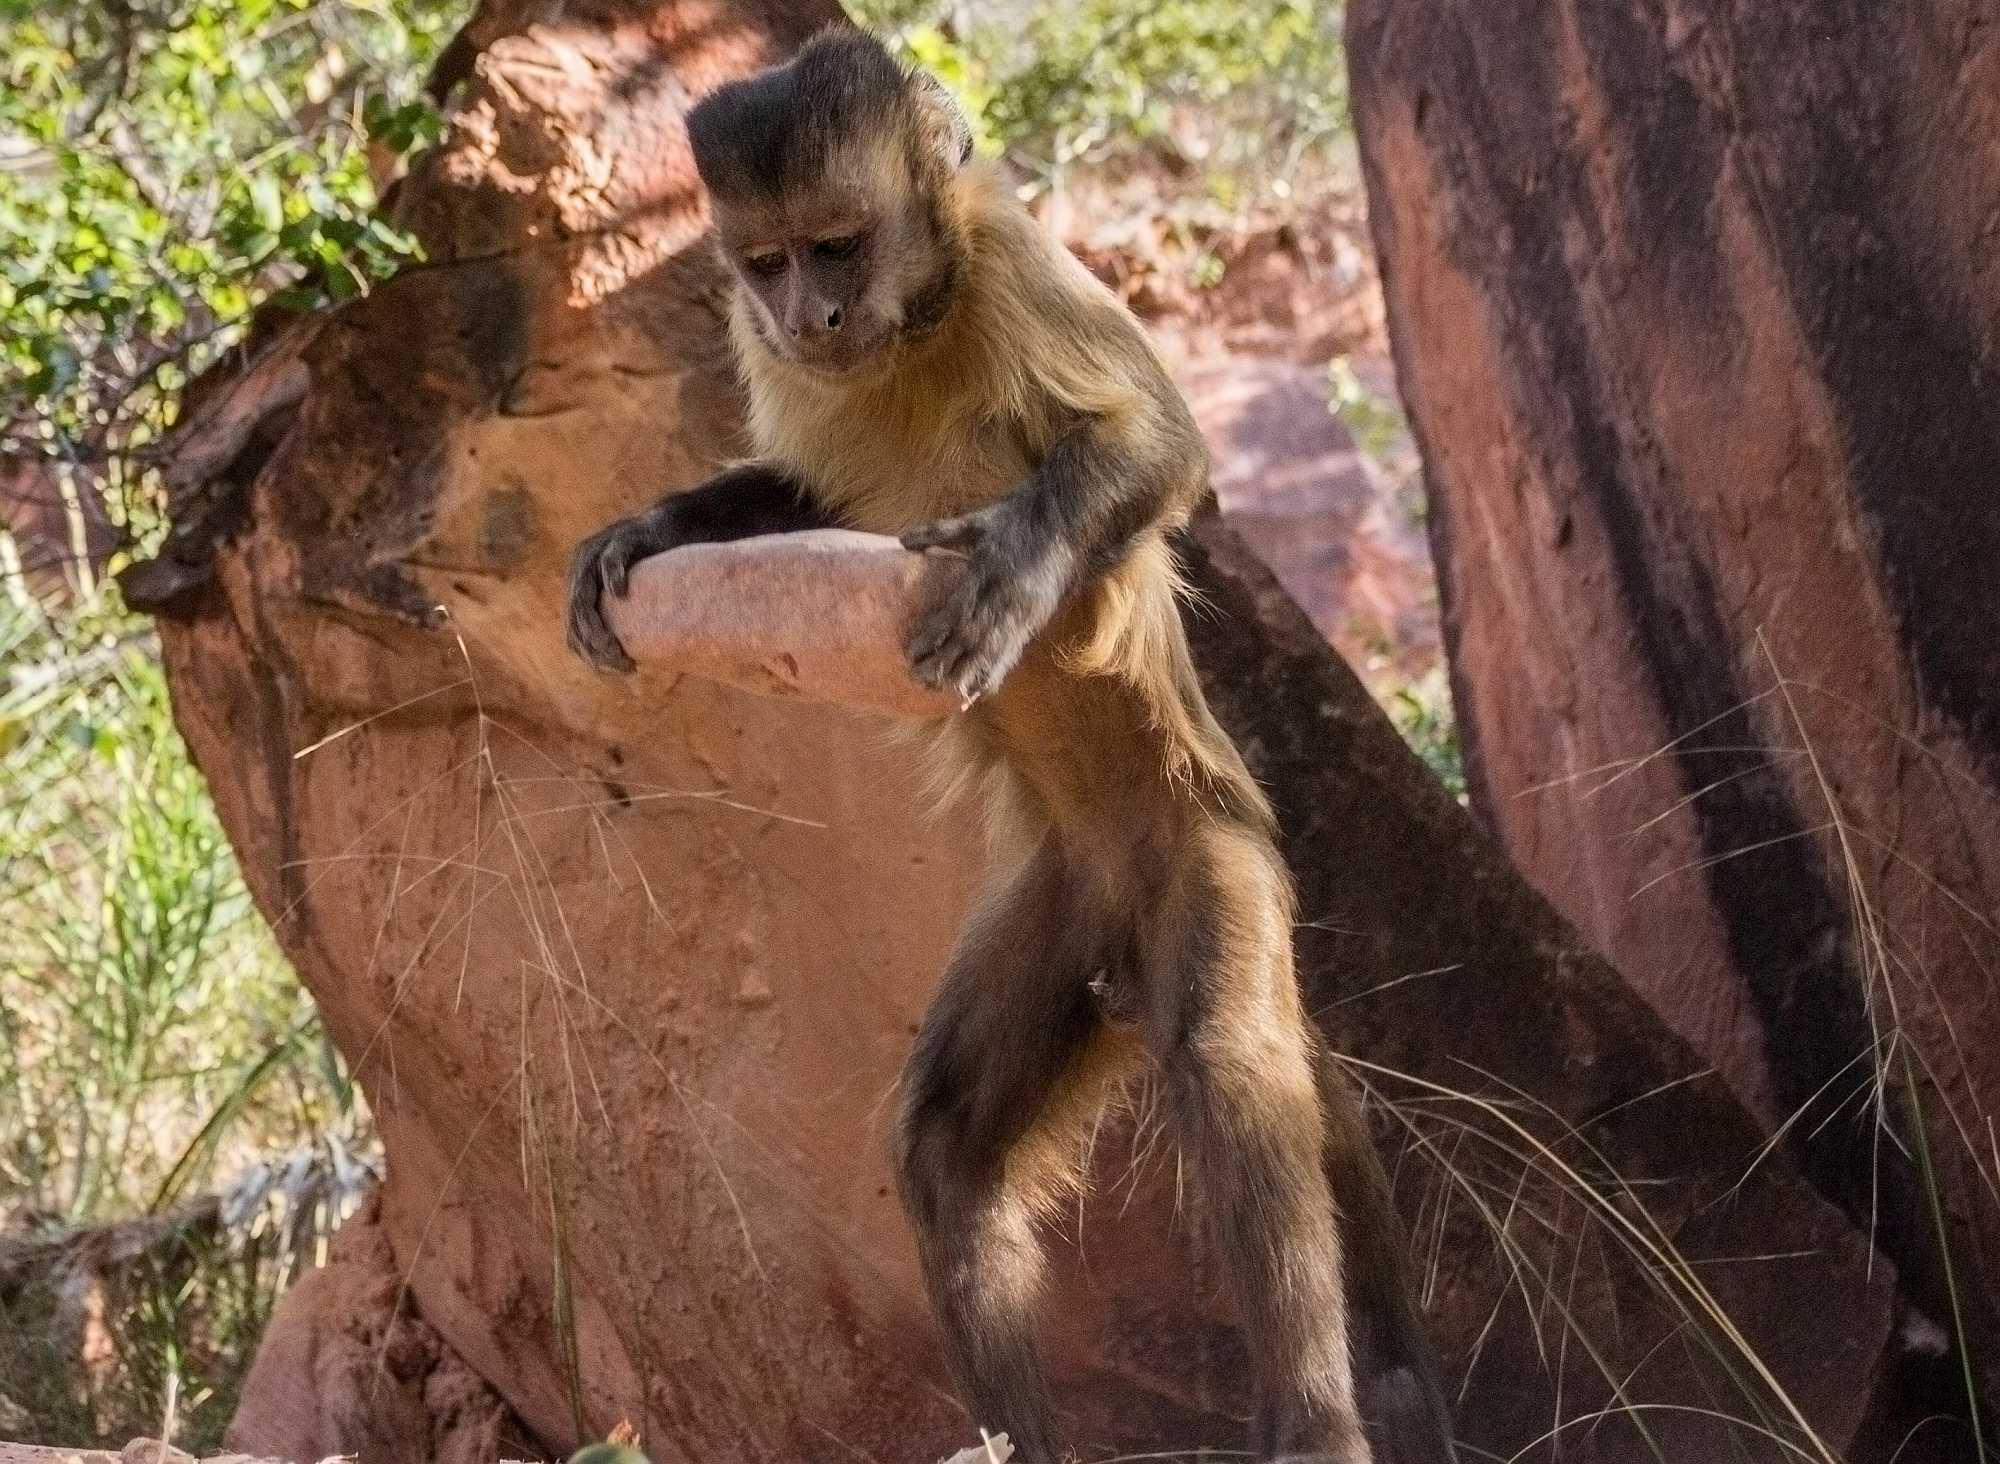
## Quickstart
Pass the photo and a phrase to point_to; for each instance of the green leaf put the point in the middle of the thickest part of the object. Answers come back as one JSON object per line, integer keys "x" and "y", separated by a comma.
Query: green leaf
{"x": 267, "y": 202}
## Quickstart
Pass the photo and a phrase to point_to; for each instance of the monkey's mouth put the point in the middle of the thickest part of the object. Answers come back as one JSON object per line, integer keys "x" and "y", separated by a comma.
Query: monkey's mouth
{"x": 848, "y": 358}
{"x": 862, "y": 347}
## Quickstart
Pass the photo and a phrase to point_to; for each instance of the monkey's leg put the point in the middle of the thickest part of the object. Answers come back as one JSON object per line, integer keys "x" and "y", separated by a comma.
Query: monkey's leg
{"x": 997, "y": 1097}
{"x": 1227, "y": 1027}
{"x": 1396, "y": 1367}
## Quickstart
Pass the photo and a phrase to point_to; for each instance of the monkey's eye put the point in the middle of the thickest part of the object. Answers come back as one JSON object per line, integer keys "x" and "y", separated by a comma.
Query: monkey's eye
{"x": 839, "y": 247}
{"x": 767, "y": 265}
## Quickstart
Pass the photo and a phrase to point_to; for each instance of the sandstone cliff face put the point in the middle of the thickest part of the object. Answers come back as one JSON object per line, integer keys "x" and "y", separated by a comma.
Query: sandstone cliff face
{"x": 628, "y": 967}
{"x": 1695, "y": 314}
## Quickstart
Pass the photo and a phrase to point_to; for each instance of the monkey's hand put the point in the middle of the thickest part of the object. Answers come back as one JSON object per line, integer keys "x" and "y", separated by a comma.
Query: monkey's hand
{"x": 740, "y": 503}
{"x": 1014, "y": 579}
{"x": 603, "y": 566}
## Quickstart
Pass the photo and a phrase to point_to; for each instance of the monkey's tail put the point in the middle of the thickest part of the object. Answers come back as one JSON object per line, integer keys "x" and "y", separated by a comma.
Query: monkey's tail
{"x": 1401, "y": 1394}
{"x": 1411, "y": 1422}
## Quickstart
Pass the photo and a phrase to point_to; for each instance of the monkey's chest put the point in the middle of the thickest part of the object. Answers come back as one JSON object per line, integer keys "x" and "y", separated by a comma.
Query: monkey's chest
{"x": 887, "y": 472}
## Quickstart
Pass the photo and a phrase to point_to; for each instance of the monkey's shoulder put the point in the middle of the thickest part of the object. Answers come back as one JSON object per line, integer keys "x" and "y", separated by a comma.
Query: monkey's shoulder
{"x": 1056, "y": 335}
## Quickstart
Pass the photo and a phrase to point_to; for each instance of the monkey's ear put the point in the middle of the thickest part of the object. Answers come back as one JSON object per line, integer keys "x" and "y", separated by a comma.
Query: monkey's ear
{"x": 943, "y": 120}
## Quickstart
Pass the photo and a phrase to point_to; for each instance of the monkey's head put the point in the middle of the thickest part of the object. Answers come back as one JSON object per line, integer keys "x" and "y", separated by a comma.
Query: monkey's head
{"x": 831, "y": 180}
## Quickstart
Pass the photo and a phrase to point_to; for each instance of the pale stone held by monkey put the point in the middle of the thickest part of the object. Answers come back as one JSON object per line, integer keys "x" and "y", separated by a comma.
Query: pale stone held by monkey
{"x": 923, "y": 360}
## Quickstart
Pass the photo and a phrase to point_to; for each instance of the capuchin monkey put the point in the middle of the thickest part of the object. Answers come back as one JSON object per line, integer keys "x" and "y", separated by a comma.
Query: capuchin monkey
{"x": 923, "y": 360}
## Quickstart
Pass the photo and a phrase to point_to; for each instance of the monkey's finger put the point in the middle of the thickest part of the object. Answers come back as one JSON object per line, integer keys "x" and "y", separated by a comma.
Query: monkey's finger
{"x": 924, "y": 664}
{"x": 982, "y": 672}
{"x": 594, "y": 642}
{"x": 977, "y": 674}
{"x": 976, "y": 610}
{"x": 601, "y": 650}
{"x": 973, "y": 654}
{"x": 933, "y": 670}
{"x": 582, "y": 603}
{"x": 995, "y": 640}
{"x": 987, "y": 679}
{"x": 944, "y": 666}
{"x": 609, "y": 655}
{"x": 589, "y": 636}
{"x": 938, "y": 627}
{"x": 583, "y": 578}
{"x": 941, "y": 668}
{"x": 614, "y": 568}
{"x": 988, "y": 612}
{"x": 922, "y": 646}
{"x": 952, "y": 533}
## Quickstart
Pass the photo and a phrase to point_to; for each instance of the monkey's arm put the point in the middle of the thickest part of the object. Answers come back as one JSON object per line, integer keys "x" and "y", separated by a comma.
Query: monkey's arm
{"x": 738, "y": 504}
{"x": 1101, "y": 487}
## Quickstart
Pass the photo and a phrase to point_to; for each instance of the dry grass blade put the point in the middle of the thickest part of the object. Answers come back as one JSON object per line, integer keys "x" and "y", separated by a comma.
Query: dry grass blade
{"x": 1615, "y": 1210}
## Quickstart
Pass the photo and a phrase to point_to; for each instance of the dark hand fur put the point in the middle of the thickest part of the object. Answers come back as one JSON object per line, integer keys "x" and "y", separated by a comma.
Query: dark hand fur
{"x": 737, "y": 504}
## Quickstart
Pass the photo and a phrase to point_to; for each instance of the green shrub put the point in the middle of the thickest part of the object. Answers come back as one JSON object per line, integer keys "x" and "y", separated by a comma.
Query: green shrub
{"x": 1243, "y": 93}
{"x": 164, "y": 166}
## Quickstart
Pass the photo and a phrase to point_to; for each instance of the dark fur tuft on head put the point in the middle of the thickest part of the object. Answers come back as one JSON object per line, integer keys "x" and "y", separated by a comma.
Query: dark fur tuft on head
{"x": 777, "y": 130}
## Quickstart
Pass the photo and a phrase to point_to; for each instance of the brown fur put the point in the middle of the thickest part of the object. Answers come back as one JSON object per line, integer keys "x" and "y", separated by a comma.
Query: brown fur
{"x": 955, "y": 422}
{"x": 1139, "y": 904}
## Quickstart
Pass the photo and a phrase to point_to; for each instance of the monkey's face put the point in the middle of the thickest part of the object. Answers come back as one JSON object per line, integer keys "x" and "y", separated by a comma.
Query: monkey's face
{"x": 829, "y": 177}
{"x": 838, "y": 275}
{"x": 809, "y": 270}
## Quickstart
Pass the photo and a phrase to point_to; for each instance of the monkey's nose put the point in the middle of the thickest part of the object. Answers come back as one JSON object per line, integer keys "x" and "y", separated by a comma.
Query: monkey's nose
{"x": 833, "y": 318}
